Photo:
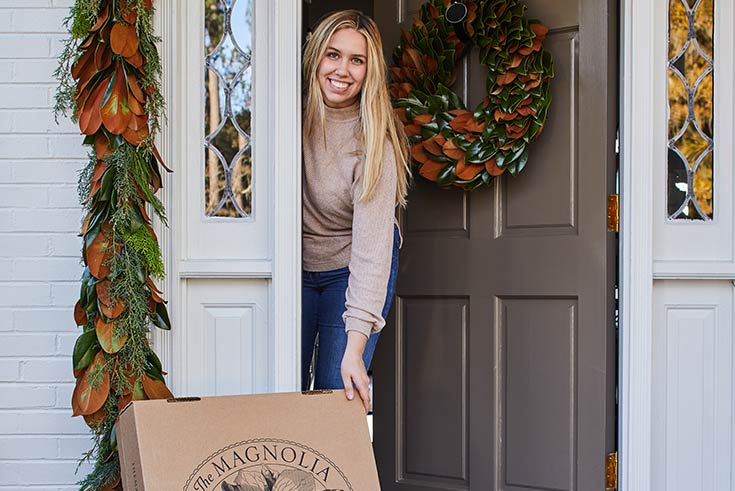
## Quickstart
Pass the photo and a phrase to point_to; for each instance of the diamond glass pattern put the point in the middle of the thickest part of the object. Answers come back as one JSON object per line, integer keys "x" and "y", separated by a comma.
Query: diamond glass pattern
{"x": 690, "y": 94}
{"x": 227, "y": 108}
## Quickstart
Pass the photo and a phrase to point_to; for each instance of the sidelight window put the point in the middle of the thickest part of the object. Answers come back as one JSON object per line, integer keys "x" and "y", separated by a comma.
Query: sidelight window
{"x": 690, "y": 96}
{"x": 228, "y": 172}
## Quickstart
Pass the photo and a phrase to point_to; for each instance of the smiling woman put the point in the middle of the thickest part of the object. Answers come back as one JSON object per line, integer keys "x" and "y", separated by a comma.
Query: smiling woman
{"x": 343, "y": 68}
{"x": 355, "y": 173}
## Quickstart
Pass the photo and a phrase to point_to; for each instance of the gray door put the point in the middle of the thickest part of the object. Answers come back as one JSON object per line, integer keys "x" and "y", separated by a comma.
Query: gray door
{"x": 496, "y": 370}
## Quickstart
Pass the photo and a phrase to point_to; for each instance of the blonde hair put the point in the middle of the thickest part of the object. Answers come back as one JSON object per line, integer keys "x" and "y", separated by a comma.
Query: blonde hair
{"x": 376, "y": 113}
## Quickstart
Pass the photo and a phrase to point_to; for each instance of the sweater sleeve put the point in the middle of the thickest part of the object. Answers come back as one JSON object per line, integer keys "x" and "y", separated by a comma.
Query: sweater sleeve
{"x": 371, "y": 254}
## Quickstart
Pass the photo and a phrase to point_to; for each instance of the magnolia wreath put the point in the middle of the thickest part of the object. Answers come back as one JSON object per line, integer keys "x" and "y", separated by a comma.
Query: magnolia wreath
{"x": 451, "y": 145}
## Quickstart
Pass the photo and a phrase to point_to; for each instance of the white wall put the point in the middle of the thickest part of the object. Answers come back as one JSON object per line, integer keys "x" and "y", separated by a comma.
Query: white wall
{"x": 40, "y": 442}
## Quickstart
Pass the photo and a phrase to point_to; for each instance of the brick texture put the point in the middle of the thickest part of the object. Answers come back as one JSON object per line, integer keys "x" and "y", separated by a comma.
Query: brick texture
{"x": 40, "y": 443}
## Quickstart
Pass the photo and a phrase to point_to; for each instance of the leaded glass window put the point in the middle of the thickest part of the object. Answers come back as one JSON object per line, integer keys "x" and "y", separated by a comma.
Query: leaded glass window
{"x": 690, "y": 95}
{"x": 228, "y": 79}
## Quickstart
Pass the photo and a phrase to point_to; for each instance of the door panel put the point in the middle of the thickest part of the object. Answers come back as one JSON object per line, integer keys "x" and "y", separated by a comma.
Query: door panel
{"x": 497, "y": 367}
{"x": 437, "y": 330}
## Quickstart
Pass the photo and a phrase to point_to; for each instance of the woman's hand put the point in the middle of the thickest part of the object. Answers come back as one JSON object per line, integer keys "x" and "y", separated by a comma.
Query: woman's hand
{"x": 353, "y": 368}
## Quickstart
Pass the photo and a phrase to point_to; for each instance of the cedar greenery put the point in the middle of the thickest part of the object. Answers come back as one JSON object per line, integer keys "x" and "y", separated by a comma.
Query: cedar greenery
{"x": 109, "y": 79}
{"x": 450, "y": 144}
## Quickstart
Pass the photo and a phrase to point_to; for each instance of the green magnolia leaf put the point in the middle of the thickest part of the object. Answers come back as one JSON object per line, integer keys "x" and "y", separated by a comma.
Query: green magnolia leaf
{"x": 446, "y": 176}
{"x": 85, "y": 349}
{"x": 160, "y": 317}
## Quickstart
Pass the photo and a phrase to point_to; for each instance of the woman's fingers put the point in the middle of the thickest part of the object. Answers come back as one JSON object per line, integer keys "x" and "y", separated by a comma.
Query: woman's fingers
{"x": 354, "y": 377}
{"x": 363, "y": 390}
{"x": 347, "y": 381}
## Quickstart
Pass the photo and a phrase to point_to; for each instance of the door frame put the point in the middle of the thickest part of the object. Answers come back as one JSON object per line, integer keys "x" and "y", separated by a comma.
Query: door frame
{"x": 639, "y": 83}
{"x": 642, "y": 80}
{"x": 281, "y": 37}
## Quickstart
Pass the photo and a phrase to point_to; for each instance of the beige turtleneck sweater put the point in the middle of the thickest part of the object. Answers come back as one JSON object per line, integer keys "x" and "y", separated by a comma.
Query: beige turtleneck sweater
{"x": 338, "y": 232}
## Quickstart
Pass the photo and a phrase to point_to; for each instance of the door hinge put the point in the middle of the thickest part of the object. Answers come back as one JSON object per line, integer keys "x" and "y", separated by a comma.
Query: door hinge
{"x": 613, "y": 215}
{"x": 611, "y": 472}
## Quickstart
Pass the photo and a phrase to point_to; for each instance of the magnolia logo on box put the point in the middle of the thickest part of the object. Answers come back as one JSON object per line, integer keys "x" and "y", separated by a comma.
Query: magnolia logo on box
{"x": 267, "y": 464}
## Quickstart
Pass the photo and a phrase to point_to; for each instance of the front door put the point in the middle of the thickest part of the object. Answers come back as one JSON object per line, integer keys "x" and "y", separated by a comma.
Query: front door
{"x": 497, "y": 368}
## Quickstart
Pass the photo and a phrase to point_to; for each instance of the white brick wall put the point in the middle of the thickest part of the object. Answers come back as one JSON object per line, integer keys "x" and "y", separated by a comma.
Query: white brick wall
{"x": 40, "y": 442}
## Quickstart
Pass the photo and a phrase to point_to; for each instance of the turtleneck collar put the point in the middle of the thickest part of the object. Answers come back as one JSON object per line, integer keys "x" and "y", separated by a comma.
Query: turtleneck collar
{"x": 343, "y": 114}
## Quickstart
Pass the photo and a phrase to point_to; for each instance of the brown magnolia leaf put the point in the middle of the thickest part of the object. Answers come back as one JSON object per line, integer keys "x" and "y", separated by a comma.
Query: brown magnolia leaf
{"x": 515, "y": 61}
{"x": 112, "y": 484}
{"x": 116, "y": 112}
{"x": 104, "y": 15}
{"x": 101, "y": 145}
{"x": 502, "y": 116}
{"x": 452, "y": 151}
{"x": 136, "y": 60}
{"x": 144, "y": 213}
{"x": 526, "y": 101}
{"x": 85, "y": 78}
{"x": 110, "y": 341}
{"x": 95, "y": 420}
{"x": 124, "y": 401}
{"x": 423, "y": 119}
{"x": 129, "y": 11}
{"x": 152, "y": 232}
{"x": 123, "y": 39}
{"x": 135, "y": 106}
{"x": 155, "y": 389}
{"x": 505, "y": 78}
{"x": 80, "y": 316}
{"x": 513, "y": 131}
{"x": 539, "y": 30}
{"x": 413, "y": 129}
{"x": 430, "y": 170}
{"x": 160, "y": 159}
{"x": 474, "y": 126}
{"x": 491, "y": 166}
{"x": 432, "y": 66}
{"x": 86, "y": 59}
{"x": 459, "y": 123}
{"x": 104, "y": 294}
{"x": 99, "y": 170}
{"x": 433, "y": 147}
{"x": 138, "y": 122}
{"x": 102, "y": 57}
{"x": 532, "y": 84}
{"x": 400, "y": 113}
{"x": 90, "y": 118}
{"x": 156, "y": 297}
{"x": 148, "y": 4}
{"x": 87, "y": 42}
{"x": 466, "y": 171}
{"x": 85, "y": 224}
{"x": 525, "y": 111}
{"x": 152, "y": 285}
{"x": 96, "y": 186}
{"x": 418, "y": 153}
{"x": 136, "y": 137}
{"x": 404, "y": 89}
{"x": 99, "y": 252}
{"x": 92, "y": 388}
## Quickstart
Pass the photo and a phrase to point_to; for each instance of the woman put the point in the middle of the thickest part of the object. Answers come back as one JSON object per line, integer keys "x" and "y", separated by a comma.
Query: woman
{"x": 355, "y": 174}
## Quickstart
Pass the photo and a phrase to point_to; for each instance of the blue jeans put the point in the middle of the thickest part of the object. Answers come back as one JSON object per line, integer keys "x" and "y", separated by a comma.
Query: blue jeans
{"x": 323, "y": 303}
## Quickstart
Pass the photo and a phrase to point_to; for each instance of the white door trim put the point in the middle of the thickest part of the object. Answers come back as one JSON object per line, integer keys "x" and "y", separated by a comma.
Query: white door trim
{"x": 641, "y": 76}
{"x": 286, "y": 141}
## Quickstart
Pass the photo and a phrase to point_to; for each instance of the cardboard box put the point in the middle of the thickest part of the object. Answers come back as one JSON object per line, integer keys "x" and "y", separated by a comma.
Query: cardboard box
{"x": 275, "y": 442}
